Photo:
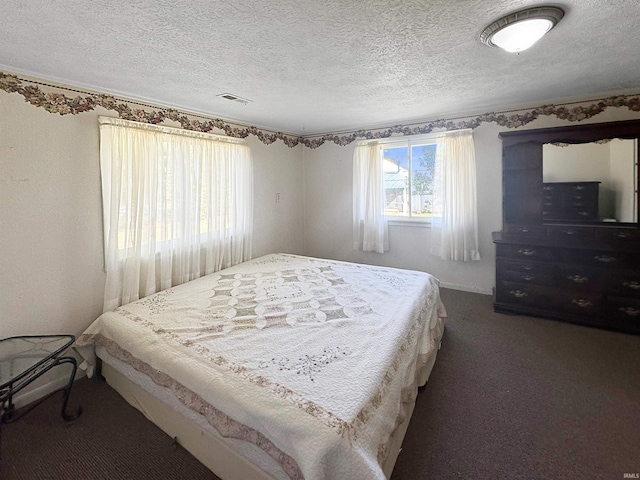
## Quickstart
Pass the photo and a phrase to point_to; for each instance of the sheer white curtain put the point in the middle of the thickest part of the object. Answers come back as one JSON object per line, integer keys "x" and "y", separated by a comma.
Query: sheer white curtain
{"x": 370, "y": 229}
{"x": 454, "y": 227}
{"x": 177, "y": 205}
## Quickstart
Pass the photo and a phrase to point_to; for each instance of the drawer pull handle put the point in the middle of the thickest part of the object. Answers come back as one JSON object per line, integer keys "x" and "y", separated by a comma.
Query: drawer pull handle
{"x": 578, "y": 197}
{"x": 523, "y": 230}
{"x": 604, "y": 258}
{"x": 547, "y": 187}
{"x": 544, "y": 212}
{"x": 633, "y": 312}
{"x": 632, "y": 285}
{"x": 527, "y": 267}
{"x": 623, "y": 235}
{"x": 579, "y": 187}
{"x": 583, "y": 213}
{"x": 527, "y": 252}
{"x": 527, "y": 277}
{"x": 582, "y": 303}
{"x": 569, "y": 232}
{"x": 518, "y": 293}
{"x": 548, "y": 204}
{"x": 578, "y": 279}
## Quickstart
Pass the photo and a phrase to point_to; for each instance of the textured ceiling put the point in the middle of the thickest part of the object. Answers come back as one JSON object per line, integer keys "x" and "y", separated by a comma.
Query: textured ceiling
{"x": 312, "y": 66}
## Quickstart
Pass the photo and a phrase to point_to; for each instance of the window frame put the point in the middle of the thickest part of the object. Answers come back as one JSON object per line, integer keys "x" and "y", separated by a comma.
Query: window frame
{"x": 409, "y": 142}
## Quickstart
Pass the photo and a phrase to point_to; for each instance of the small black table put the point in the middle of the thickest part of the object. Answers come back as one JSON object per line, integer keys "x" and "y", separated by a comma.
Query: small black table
{"x": 22, "y": 360}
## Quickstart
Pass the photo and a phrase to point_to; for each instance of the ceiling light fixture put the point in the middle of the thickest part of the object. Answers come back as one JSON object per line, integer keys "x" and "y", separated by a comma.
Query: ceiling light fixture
{"x": 520, "y": 30}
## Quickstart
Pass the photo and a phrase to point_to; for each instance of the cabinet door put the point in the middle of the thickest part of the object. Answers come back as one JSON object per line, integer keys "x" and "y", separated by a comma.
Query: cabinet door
{"x": 521, "y": 180}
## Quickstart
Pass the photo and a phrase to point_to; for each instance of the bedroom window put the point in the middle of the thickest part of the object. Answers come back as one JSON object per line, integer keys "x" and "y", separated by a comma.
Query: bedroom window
{"x": 429, "y": 179}
{"x": 409, "y": 169}
{"x": 177, "y": 205}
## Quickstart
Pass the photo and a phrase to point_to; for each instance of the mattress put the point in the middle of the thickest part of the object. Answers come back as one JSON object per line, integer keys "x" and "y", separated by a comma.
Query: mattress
{"x": 312, "y": 362}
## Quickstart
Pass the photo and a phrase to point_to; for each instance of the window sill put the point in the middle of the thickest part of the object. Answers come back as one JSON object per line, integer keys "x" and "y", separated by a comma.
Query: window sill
{"x": 408, "y": 222}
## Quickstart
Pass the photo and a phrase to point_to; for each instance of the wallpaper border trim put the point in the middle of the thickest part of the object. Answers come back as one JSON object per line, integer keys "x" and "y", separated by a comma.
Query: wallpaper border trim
{"x": 61, "y": 104}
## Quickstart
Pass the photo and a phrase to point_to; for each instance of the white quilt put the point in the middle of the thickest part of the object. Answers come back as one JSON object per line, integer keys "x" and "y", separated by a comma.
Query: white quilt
{"x": 308, "y": 359}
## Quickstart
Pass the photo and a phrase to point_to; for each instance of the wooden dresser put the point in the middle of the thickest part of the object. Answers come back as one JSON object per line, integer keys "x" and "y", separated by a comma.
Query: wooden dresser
{"x": 557, "y": 265}
{"x": 578, "y": 274}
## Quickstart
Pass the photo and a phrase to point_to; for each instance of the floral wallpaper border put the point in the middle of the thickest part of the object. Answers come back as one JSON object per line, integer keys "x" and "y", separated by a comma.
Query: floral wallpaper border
{"x": 61, "y": 104}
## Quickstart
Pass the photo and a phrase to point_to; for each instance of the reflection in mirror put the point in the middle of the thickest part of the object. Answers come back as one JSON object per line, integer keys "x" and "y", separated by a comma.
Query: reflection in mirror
{"x": 613, "y": 163}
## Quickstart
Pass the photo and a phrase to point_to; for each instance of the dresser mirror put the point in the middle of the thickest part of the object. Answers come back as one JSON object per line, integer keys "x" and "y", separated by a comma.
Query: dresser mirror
{"x": 609, "y": 164}
{"x": 544, "y": 168}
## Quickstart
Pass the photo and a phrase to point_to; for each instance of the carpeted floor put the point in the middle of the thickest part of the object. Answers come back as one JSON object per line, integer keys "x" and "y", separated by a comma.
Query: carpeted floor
{"x": 510, "y": 397}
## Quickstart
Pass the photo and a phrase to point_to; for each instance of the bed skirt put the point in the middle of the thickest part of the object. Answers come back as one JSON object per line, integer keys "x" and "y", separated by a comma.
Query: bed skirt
{"x": 227, "y": 458}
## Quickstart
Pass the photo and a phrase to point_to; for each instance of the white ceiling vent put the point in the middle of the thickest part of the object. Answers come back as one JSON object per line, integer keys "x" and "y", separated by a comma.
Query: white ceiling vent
{"x": 234, "y": 98}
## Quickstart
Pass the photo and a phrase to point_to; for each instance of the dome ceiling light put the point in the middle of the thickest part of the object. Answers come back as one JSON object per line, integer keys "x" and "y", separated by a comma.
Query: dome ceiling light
{"x": 520, "y": 30}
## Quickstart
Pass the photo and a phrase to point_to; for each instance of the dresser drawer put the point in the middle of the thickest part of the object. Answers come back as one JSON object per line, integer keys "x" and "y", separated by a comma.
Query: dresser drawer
{"x": 525, "y": 267}
{"x": 526, "y": 277}
{"x": 579, "y": 277}
{"x": 570, "y": 201}
{"x": 528, "y": 230}
{"x": 524, "y": 252}
{"x": 581, "y": 214}
{"x": 550, "y": 299}
{"x": 607, "y": 259}
{"x": 577, "y": 201}
{"x": 621, "y": 237}
{"x": 570, "y": 188}
{"x": 579, "y": 302}
{"x": 625, "y": 283}
{"x": 525, "y": 272}
{"x": 570, "y": 213}
{"x": 522, "y": 294}
{"x": 625, "y": 310}
{"x": 570, "y": 232}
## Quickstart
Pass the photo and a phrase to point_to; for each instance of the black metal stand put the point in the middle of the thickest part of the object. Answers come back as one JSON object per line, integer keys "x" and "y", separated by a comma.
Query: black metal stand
{"x": 7, "y": 409}
{"x": 8, "y": 412}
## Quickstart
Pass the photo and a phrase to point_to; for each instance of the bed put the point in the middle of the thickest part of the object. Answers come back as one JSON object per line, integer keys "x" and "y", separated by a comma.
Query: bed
{"x": 283, "y": 367}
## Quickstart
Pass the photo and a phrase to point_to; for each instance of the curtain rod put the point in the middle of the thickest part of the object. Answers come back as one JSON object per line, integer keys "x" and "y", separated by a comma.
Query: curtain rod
{"x": 410, "y": 138}
{"x": 181, "y": 132}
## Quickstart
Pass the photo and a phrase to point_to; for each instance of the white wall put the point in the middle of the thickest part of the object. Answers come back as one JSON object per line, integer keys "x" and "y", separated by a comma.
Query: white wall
{"x": 328, "y": 218}
{"x": 328, "y": 197}
{"x": 278, "y": 227}
{"x": 51, "y": 274}
{"x": 624, "y": 178}
{"x": 587, "y": 162}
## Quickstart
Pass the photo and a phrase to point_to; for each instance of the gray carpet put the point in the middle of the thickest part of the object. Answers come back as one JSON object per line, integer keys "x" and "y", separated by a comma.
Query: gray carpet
{"x": 510, "y": 397}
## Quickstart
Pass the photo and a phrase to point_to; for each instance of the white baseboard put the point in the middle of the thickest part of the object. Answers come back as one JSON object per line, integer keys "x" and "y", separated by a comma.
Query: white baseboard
{"x": 28, "y": 396}
{"x": 466, "y": 288}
